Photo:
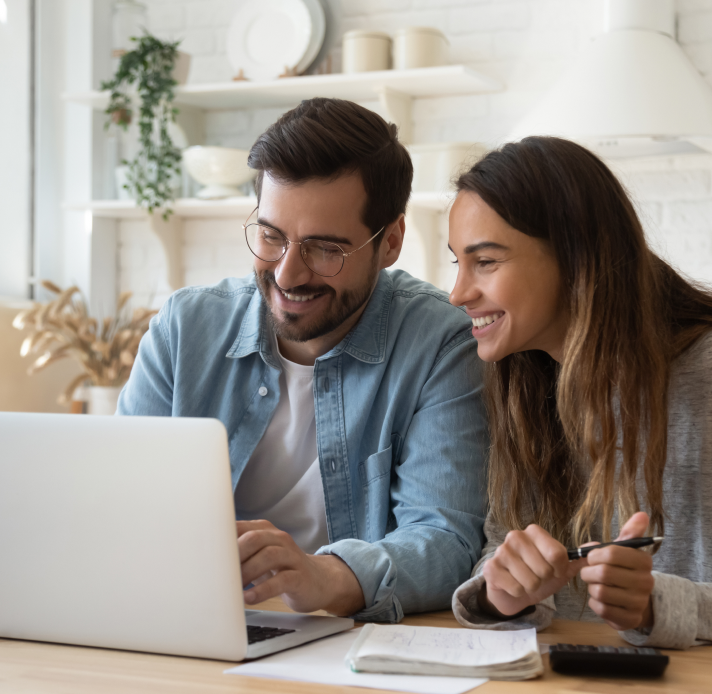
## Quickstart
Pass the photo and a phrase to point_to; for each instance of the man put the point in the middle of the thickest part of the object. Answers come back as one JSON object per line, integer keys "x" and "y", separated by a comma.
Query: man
{"x": 351, "y": 395}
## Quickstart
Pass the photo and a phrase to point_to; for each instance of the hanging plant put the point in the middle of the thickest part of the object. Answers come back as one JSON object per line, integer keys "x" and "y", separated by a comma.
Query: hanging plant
{"x": 150, "y": 67}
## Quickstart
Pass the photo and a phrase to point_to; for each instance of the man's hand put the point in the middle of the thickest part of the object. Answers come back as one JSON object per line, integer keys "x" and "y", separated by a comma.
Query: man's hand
{"x": 275, "y": 565}
{"x": 620, "y": 581}
{"x": 527, "y": 567}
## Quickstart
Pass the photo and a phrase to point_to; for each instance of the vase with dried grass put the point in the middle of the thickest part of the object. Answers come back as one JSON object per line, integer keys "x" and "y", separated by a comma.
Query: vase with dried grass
{"x": 63, "y": 328}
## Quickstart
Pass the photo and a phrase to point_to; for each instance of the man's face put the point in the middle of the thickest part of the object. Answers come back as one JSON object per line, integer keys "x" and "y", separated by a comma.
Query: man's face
{"x": 305, "y": 306}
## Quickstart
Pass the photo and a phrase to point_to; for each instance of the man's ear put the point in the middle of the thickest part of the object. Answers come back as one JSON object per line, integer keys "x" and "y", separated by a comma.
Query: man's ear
{"x": 392, "y": 244}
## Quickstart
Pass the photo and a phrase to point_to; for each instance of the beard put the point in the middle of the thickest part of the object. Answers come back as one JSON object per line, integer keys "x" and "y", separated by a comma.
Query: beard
{"x": 341, "y": 307}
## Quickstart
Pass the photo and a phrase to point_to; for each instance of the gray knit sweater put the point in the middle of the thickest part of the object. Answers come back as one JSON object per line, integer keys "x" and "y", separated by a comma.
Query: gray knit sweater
{"x": 682, "y": 597}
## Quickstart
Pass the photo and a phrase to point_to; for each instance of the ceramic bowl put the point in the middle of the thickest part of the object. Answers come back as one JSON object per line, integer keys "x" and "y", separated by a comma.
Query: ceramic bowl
{"x": 220, "y": 169}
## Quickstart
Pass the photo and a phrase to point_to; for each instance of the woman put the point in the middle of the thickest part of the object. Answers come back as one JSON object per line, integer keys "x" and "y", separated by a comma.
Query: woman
{"x": 599, "y": 387}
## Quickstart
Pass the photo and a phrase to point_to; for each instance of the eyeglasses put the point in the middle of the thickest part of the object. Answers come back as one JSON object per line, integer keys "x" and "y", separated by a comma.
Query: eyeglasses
{"x": 321, "y": 257}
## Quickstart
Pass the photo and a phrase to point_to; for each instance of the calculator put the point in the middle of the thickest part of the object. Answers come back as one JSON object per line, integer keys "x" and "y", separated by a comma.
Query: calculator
{"x": 607, "y": 661}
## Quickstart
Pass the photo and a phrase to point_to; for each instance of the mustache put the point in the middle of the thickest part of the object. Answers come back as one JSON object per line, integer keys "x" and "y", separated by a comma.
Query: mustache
{"x": 302, "y": 290}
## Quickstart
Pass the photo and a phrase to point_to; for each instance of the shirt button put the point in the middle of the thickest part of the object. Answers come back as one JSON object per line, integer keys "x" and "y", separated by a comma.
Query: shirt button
{"x": 263, "y": 391}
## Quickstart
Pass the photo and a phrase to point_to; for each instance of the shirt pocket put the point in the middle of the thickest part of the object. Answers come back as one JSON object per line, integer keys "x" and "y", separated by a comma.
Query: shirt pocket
{"x": 375, "y": 473}
{"x": 376, "y": 466}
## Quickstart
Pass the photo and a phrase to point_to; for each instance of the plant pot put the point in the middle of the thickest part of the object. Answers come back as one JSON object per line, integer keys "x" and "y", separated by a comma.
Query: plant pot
{"x": 182, "y": 68}
{"x": 102, "y": 399}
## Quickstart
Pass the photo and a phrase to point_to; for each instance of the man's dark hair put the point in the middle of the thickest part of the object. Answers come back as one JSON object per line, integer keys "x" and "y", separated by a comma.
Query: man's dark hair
{"x": 327, "y": 138}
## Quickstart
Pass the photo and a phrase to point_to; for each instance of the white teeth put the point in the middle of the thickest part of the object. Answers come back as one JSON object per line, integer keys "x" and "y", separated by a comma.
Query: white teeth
{"x": 298, "y": 297}
{"x": 486, "y": 320}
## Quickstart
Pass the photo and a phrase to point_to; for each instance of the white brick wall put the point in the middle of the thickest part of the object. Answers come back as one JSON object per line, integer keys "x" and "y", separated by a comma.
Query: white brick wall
{"x": 525, "y": 43}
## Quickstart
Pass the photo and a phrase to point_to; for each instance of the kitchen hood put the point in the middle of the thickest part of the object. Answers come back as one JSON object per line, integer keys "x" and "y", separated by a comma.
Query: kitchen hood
{"x": 632, "y": 92}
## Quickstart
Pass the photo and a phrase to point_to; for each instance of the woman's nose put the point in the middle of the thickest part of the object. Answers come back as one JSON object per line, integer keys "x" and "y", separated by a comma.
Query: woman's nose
{"x": 464, "y": 291}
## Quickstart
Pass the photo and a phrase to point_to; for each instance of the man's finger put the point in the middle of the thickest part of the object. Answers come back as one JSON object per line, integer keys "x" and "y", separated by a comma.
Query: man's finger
{"x": 269, "y": 558}
{"x": 277, "y": 585}
{"x": 244, "y": 526}
{"x": 253, "y": 541}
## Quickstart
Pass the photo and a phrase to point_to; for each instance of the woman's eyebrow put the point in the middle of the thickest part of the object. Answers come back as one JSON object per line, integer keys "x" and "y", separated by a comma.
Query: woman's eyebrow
{"x": 316, "y": 237}
{"x": 482, "y": 245}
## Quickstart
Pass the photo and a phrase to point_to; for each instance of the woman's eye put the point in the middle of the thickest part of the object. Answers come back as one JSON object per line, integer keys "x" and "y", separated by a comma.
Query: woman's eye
{"x": 485, "y": 263}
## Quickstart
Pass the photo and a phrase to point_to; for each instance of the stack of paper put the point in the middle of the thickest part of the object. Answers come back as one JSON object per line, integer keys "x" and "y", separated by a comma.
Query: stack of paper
{"x": 498, "y": 655}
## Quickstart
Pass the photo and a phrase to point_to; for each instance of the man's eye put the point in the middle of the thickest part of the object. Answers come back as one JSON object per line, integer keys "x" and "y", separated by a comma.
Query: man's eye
{"x": 325, "y": 250}
{"x": 269, "y": 236}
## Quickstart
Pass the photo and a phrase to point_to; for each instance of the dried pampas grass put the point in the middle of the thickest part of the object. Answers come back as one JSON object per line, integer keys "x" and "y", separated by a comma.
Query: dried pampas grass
{"x": 62, "y": 328}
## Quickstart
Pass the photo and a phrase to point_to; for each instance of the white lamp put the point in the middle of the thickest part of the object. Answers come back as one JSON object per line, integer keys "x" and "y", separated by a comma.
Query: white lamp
{"x": 632, "y": 92}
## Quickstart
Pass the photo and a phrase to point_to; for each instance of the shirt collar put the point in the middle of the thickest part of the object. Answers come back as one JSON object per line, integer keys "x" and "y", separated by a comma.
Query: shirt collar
{"x": 366, "y": 342}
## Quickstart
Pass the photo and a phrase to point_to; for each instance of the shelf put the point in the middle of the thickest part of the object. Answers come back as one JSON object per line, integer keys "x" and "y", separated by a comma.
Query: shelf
{"x": 422, "y": 207}
{"x": 363, "y": 86}
{"x": 188, "y": 208}
{"x": 192, "y": 208}
{"x": 394, "y": 89}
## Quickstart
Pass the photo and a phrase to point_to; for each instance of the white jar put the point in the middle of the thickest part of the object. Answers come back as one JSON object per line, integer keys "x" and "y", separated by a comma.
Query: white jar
{"x": 366, "y": 51}
{"x": 419, "y": 47}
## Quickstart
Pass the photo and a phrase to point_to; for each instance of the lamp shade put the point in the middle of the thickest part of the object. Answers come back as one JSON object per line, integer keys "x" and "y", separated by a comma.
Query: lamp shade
{"x": 632, "y": 92}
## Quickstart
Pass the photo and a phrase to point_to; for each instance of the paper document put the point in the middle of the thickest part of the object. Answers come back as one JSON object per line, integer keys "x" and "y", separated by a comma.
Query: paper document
{"x": 454, "y": 652}
{"x": 323, "y": 662}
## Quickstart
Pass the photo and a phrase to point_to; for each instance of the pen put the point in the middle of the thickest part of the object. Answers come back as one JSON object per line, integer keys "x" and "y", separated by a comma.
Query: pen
{"x": 636, "y": 543}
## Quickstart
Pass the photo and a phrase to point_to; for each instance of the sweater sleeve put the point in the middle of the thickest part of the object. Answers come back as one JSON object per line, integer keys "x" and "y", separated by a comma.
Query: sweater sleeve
{"x": 465, "y": 605}
{"x": 682, "y": 612}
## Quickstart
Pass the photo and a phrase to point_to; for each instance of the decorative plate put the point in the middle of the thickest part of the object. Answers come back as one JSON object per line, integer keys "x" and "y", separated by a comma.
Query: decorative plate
{"x": 268, "y": 38}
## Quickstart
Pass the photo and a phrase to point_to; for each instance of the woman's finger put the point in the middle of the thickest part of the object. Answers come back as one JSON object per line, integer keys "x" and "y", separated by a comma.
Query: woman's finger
{"x": 619, "y": 597}
{"x": 635, "y": 526}
{"x": 618, "y": 577}
{"x": 619, "y": 618}
{"x": 623, "y": 557}
{"x": 544, "y": 555}
{"x": 499, "y": 578}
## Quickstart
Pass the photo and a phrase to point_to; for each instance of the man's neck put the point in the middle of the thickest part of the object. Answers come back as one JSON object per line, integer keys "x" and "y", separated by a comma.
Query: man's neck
{"x": 308, "y": 352}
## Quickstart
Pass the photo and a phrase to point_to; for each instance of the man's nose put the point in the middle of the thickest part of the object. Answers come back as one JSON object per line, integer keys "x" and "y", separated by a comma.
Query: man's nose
{"x": 292, "y": 271}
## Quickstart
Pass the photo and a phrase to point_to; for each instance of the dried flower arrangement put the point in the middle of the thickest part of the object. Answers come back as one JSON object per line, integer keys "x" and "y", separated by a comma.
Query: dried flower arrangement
{"x": 62, "y": 328}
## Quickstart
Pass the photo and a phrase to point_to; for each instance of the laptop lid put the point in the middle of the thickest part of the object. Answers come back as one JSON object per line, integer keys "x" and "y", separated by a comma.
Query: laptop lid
{"x": 119, "y": 532}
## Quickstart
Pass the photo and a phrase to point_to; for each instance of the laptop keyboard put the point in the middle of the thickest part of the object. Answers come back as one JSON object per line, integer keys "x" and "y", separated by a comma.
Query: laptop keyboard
{"x": 256, "y": 634}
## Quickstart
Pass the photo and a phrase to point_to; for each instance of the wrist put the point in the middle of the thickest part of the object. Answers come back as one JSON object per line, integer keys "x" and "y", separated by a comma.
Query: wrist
{"x": 648, "y": 618}
{"x": 488, "y": 607}
{"x": 337, "y": 583}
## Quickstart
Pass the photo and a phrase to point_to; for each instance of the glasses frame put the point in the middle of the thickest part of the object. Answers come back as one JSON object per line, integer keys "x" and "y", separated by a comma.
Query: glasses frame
{"x": 288, "y": 243}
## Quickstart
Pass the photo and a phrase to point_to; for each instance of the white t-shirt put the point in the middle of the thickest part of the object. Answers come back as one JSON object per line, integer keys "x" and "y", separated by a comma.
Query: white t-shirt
{"x": 281, "y": 482}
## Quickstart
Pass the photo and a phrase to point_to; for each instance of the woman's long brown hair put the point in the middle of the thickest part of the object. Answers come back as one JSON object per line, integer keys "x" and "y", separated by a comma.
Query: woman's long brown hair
{"x": 568, "y": 439}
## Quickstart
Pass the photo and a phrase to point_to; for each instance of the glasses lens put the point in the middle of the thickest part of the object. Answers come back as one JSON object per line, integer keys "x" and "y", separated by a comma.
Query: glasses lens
{"x": 267, "y": 244}
{"x": 324, "y": 258}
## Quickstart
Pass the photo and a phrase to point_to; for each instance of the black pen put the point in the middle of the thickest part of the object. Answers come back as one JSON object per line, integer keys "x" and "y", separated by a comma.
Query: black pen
{"x": 636, "y": 543}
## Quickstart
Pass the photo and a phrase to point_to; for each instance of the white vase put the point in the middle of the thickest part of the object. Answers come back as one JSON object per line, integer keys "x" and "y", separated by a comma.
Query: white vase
{"x": 102, "y": 399}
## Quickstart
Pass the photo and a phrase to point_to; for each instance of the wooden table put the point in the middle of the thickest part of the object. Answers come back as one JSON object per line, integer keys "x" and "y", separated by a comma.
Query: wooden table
{"x": 39, "y": 668}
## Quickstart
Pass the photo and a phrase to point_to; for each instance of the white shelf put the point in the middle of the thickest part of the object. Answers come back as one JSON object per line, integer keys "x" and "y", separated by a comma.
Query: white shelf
{"x": 187, "y": 208}
{"x": 421, "y": 82}
{"x": 192, "y": 208}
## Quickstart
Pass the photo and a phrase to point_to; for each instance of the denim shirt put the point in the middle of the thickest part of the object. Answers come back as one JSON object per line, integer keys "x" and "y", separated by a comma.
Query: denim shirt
{"x": 401, "y": 428}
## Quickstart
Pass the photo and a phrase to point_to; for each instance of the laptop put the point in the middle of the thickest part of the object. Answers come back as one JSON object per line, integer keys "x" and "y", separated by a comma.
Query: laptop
{"x": 119, "y": 532}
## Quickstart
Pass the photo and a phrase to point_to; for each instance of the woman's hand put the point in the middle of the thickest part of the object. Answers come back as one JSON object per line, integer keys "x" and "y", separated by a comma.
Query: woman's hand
{"x": 619, "y": 580}
{"x": 527, "y": 567}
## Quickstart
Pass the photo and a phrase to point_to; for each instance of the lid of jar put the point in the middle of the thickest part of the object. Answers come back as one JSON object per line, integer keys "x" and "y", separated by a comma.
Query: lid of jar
{"x": 421, "y": 30}
{"x": 365, "y": 34}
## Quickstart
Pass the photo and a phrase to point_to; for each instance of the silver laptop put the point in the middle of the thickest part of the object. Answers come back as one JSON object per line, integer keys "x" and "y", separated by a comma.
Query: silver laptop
{"x": 119, "y": 532}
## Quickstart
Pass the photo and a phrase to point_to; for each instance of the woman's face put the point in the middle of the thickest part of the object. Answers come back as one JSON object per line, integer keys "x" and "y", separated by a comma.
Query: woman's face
{"x": 508, "y": 282}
